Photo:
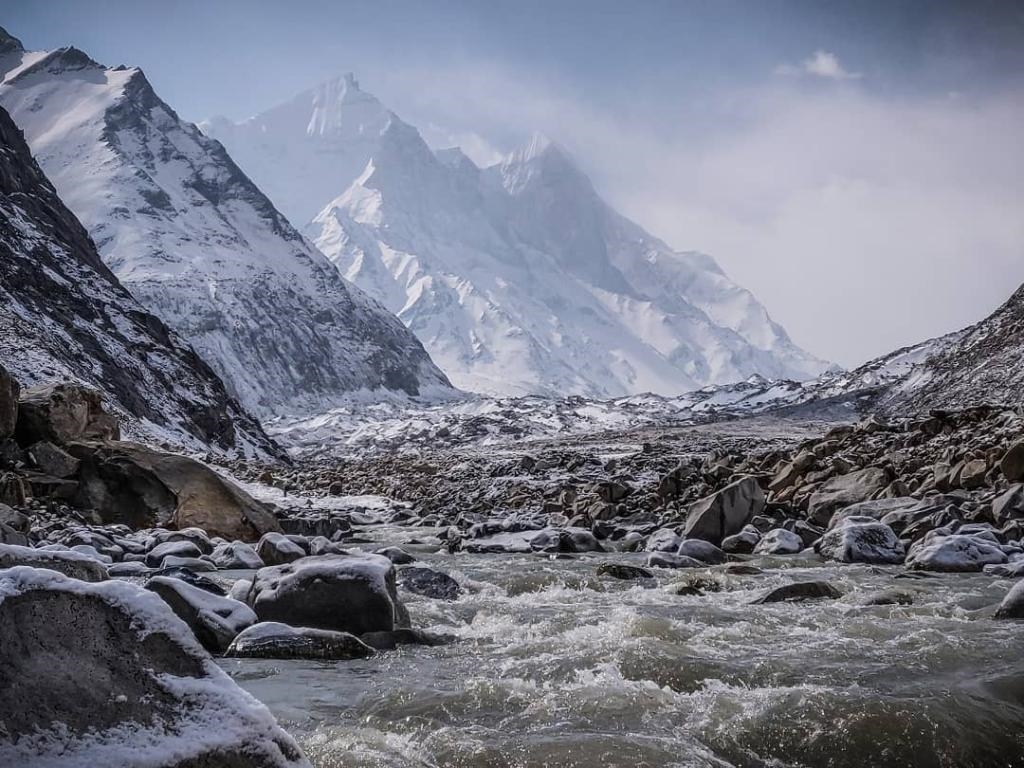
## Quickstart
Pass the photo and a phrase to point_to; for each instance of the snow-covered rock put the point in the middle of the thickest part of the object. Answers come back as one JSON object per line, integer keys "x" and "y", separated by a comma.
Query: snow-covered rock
{"x": 779, "y": 541}
{"x": 518, "y": 278}
{"x": 347, "y": 593}
{"x": 273, "y": 640}
{"x": 132, "y": 687}
{"x": 214, "y": 620}
{"x": 200, "y": 245}
{"x": 954, "y": 553}
{"x": 75, "y": 565}
{"x": 236, "y": 555}
{"x": 861, "y": 540}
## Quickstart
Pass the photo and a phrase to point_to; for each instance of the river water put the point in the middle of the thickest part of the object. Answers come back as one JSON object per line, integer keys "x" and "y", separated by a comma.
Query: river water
{"x": 555, "y": 666}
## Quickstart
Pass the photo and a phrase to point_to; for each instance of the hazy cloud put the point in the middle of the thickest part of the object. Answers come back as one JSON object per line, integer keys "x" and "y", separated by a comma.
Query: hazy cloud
{"x": 820, "y": 64}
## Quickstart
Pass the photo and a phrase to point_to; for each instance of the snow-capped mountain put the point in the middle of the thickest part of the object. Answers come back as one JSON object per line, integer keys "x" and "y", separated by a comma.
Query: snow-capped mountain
{"x": 198, "y": 243}
{"x": 517, "y": 278}
{"x": 64, "y": 317}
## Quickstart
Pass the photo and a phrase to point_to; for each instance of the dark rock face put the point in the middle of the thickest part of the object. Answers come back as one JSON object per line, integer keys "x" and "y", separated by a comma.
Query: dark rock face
{"x": 429, "y": 583}
{"x": 66, "y": 317}
{"x": 115, "y": 637}
{"x": 798, "y": 591}
{"x": 9, "y": 392}
{"x": 272, "y": 640}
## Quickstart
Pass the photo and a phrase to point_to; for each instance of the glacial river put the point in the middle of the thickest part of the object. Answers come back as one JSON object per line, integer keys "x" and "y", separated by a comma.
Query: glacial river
{"x": 555, "y": 666}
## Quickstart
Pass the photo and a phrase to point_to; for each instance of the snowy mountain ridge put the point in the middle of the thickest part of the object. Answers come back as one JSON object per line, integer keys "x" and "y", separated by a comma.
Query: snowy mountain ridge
{"x": 200, "y": 245}
{"x": 518, "y": 278}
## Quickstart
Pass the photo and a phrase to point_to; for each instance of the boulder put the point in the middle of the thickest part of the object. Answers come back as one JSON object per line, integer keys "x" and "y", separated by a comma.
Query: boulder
{"x": 779, "y": 541}
{"x": 875, "y": 509}
{"x": 623, "y": 571}
{"x": 669, "y": 560}
{"x": 155, "y": 557}
{"x": 725, "y": 512}
{"x": 396, "y": 555}
{"x": 278, "y": 549}
{"x": 861, "y": 540}
{"x": 841, "y": 491}
{"x": 1012, "y": 463}
{"x": 236, "y": 555}
{"x": 663, "y": 540}
{"x": 105, "y": 674}
{"x": 888, "y": 597}
{"x": 954, "y": 553}
{"x": 1010, "y": 570}
{"x": 429, "y": 583}
{"x": 573, "y": 540}
{"x": 799, "y": 591}
{"x": 213, "y": 619}
{"x": 63, "y": 413}
{"x": 1009, "y": 505}
{"x": 141, "y": 487}
{"x": 9, "y": 392}
{"x": 1012, "y": 606}
{"x": 742, "y": 543}
{"x": 702, "y": 550}
{"x": 52, "y": 460}
{"x": 72, "y": 564}
{"x": 273, "y": 640}
{"x": 348, "y": 593}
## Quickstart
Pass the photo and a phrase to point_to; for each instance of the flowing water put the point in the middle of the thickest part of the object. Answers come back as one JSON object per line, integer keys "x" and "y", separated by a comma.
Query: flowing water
{"x": 555, "y": 666}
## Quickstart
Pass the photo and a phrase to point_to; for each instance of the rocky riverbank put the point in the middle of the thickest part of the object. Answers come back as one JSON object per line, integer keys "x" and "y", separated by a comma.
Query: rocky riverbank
{"x": 336, "y": 561}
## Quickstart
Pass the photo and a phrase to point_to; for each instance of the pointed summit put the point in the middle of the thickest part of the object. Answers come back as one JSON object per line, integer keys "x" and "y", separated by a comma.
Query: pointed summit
{"x": 541, "y": 159}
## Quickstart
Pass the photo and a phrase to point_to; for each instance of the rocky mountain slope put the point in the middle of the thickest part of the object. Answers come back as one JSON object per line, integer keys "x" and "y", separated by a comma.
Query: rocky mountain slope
{"x": 199, "y": 245}
{"x": 518, "y": 278}
{"x": 64, "y": 316}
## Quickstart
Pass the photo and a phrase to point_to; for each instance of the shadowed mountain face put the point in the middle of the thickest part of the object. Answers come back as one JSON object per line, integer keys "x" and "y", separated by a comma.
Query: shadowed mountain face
{"x": 64, "y": 316}
{"x": 200, "y": 246}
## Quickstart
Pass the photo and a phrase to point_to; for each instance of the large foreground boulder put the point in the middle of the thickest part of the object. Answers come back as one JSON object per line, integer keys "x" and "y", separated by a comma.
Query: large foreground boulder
{"x": 725, "y": 512}
{"x": 130, "y": 483}
{"x": 105, "y": 674}
{"x": 347, "y": 593}
{"x": 63, "y": 413}
{"x": 64, "y": 561}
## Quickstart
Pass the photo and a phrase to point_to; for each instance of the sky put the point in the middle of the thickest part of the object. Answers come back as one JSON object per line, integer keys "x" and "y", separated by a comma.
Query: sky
{"x": 857, "y": 165}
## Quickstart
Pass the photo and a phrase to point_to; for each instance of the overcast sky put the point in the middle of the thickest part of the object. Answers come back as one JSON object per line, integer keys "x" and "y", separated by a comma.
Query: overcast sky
{"x": 858, "y": 166}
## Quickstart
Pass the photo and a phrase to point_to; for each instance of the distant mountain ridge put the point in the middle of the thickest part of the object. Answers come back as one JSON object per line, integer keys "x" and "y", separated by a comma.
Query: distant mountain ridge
{"x": 200, "y": 245}
{"x": 518, "y": 278}
{"x": 64, "y": 317}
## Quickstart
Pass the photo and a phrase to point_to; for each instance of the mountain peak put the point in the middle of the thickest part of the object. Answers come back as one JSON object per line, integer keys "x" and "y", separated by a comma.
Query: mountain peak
{"x": 341, "y": 107}
{"x": 9, "y": 43}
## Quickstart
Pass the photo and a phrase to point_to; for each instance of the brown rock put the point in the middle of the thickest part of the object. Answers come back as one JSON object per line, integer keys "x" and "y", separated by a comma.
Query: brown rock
{"x": 63, "y": 413}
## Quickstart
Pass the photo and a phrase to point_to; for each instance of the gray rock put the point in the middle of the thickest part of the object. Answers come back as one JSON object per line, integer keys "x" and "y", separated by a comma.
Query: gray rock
{"x": 1012, "y": 606}
{"x": 348, "y": 593}
{"x": 396, "y": 555}
{"x": 725, "y": 512}
{"x": 861, "y": 540}
{"x": 663, "y": 540}
{"x": 52, "y": 460}
{"x": 273, "y": 640}
{"x": 1009, "y": 505}
{"x": 73, "y": 564}
{"x": 742, "y": 543}
{"x": 876, "y": 509}
{"x": 1011, "y": 570}
{"x": 572, "y": 540}
{"x": 799, "y": 591}
{"x": 155, "y": 557}
{"x": 844, "y": 490}
{"x": 669, "y": 560}
{"x": 236, "y": 555}
{"x": 888, "y": 597}
{"x": 388, "y": 641}
{"x": 1012, "y": 463}
{"x": 779, "y": 541}
{"x": 214, "y": 620}
{"x": 126, "y": 665}
{"x": 623, "y": 571}
{"x": 278, "y": 549}
{"x": 429, "y": 583}
{"x": 702, "y": 550}
{"x": 9, "y": 392}
{"x": 954, "y": 553}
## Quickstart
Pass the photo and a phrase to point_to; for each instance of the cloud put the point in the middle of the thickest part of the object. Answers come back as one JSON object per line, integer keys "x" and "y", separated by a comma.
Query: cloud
{"x": 820, "y": 64}
{"x": 862, "y": 223}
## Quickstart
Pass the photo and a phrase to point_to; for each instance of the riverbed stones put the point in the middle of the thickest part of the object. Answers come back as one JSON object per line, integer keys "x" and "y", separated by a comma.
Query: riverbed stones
{"x": 132, "y": 685}
{"x": 347, "y": 593}
{"x": 799, "y": 591}
{"x": 236, "y": 555}
{"x": 954, "y": 553}
{"x": 181, "y": 548}
{"x": 725, "y": 512}
{"x": 861, "y": 540}
{"x": 429, "y": 583}
{"x": 779, "y": 541}
{"x": 273, "y": 640}
{"x": 742, "y": 543}
{"x": 702, "y": 550}
{"x": 213, "y": 619}
{"x": 72, "y": 564}
{"x": 843, "y": 490}
{"x": 663, "y": 540}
